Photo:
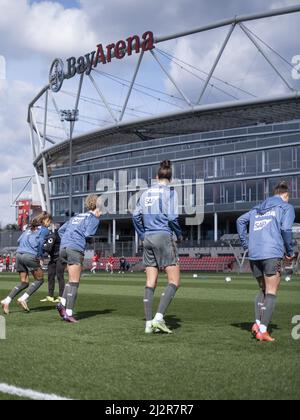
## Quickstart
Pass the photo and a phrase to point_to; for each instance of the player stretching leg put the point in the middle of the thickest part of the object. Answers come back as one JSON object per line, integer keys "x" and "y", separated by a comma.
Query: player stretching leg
{"x": 74, "y": 235}
{"x": 156, "y": 220}
{"x": 270, "y": 239}
{"x": 29, "y": 255}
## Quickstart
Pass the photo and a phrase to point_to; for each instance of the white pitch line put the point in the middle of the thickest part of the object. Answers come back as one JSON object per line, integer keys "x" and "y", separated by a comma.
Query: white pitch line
{"x": 29, "y": 393}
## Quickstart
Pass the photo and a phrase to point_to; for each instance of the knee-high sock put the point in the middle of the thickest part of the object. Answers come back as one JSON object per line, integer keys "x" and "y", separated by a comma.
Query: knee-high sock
{"x": 72, "y": 297}
{"x": 166, "y": 298}
{"x": 18, "y": 289}
{"x": 268, "y": 310}
{"x": 34, "y": 287}
{"x": 148, "y": 303}
{"x": 259, "y": 303}
{"x": 65, "y": 294}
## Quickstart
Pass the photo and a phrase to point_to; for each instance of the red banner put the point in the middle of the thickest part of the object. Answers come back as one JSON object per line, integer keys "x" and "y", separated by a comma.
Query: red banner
{"x": 24, "y": 208}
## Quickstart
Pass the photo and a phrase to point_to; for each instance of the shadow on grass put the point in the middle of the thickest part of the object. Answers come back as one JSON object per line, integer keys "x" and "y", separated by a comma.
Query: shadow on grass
{"x": 173, "y": 322}
{"x": 92, "y": 314}
{"x": 42, "y": 309}
{"x": 247, "y": 326}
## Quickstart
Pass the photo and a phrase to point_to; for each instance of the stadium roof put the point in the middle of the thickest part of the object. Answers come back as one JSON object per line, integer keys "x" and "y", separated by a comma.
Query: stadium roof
{"x": 199, "y": 119}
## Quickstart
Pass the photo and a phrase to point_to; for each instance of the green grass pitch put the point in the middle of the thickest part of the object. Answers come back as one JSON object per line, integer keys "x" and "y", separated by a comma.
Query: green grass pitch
{"x": 107, "y": 356}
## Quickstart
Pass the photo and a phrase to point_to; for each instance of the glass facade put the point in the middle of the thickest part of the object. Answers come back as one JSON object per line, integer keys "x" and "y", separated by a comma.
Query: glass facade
{"x": 239, "y": 167}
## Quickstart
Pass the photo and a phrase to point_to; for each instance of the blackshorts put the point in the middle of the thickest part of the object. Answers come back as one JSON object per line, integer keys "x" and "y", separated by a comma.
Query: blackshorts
{"x": 268, "y": 268}
{"x": 160, "y": 251}
{"x": 71, "y": 256}
{"x": 27, "y": 263}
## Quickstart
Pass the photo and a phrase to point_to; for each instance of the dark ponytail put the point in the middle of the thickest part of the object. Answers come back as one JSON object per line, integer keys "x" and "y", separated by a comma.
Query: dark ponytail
{"x": 165, "y": 171}
{"x": 281, "y": 188}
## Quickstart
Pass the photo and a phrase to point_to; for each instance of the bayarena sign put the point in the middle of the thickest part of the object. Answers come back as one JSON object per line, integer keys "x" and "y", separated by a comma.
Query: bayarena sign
{"x": 102, "y": 55}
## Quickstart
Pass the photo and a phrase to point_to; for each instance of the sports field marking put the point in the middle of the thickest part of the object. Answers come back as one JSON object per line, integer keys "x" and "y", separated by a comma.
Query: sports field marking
{"x": 29, "y": 393}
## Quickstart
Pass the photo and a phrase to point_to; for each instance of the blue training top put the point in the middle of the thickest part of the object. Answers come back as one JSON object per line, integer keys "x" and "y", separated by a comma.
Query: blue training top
{"x": 74, "y": 233}
{"x": 157, "y": 212}
{"x": 32, "y": 241}
{"x": 270, "y": 231}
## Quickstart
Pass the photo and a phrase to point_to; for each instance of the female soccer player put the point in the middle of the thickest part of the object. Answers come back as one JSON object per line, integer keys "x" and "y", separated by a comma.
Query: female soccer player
{"x": 29, "y": 260}
{"x": 270, "y": 239}
{"x": 156, "y": 220}
{"x": 74, "y": 235}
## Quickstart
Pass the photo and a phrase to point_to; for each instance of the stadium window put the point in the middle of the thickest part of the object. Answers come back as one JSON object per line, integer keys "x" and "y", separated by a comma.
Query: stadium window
{"x": 224, "y": 193}
{"x": 131, "y": 174}
{"x": 209, "y": 194}
{"x": 240, "y": 192}
{"x": 298, "y": 157}
{"x": 294, "y": 157}
{"x": 209, "y": 168}
{"x": 229, "y": 166}
{"x": 152, "y": 173}
{"x": 53, "y": 187}
{"x": 273, "y": 160}
{"x": 251, "y": 163}
{"x": 221, "y": 166}
{"x": 77, "y": 205}
{"x": 78, "y": 184}
{"x": 222, "y": 198}
{"x": 260, "y": 190}
{"x": 259, "y": 162}
{"x": 63, "y": 186}
{"x": 286, "y": 158}
{"x": 294, "y": 187}
{"x": 240, "y": 165}
{"x": 298, "y": 186}
{"x": 251, "y": 187}
{"x": 182, "y": 171}
{"x": 199, "y": 168}
{"x": 85, "y": 183}
{"x": 143, "y": 173}
{"x": 60, "y": 207}
{"x": 229, "y": 193}
{"x": 189, "y": 170}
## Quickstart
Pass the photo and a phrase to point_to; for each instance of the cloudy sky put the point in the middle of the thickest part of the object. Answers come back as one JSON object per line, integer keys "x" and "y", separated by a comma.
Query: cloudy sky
{"x": 34, "y": 32}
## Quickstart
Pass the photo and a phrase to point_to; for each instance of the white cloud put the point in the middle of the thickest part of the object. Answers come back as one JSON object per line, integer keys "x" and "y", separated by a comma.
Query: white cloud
{"x": 15, "y": 156}
{"x": 241, "y": 64}
{"x": 45, "y": 28}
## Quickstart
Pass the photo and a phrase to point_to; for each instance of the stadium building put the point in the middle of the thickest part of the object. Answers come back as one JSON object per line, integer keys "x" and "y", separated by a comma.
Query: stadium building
{"x": 241, "y": 149}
